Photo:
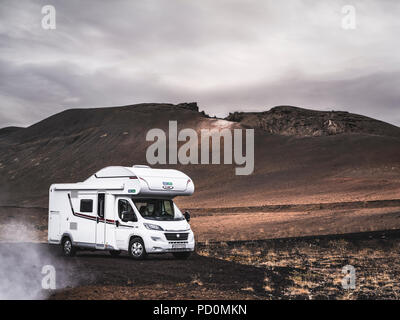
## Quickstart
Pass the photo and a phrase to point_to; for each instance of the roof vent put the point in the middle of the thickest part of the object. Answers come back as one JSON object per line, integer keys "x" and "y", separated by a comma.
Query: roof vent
{"x": 140, "y": 166}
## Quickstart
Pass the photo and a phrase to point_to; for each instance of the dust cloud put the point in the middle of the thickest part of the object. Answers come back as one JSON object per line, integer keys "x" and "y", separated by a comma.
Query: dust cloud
{"x": 24, "y": 255}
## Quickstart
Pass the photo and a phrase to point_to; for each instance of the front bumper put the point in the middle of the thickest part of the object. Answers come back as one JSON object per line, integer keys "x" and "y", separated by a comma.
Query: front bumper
{"x": 156, "y": 242}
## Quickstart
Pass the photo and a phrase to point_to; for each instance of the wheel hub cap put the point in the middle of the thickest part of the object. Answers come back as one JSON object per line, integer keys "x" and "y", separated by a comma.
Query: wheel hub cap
{"x": 137, "y": 249}
{"x": 67, "y": 246}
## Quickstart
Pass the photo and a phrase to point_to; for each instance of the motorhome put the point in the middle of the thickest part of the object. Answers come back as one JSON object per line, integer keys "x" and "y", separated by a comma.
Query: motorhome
{"x": 122, "y": 209}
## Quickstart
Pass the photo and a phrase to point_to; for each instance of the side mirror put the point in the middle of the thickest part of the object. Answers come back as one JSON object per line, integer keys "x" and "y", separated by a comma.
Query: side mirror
{"x": 127, "y": 216}
{"x": 187, "y": 216}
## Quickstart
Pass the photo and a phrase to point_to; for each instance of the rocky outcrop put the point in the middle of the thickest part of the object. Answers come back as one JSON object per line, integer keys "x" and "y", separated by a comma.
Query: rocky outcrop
{"x": 294, "y": 121}
{"x": 189, "y": 105}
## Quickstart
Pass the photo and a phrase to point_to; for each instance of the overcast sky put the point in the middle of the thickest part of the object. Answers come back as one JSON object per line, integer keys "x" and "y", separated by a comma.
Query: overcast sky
{"x": 247, "y": 55}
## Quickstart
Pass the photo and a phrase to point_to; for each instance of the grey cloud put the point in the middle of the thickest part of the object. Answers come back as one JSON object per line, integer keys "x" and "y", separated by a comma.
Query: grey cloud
{"x": 228, "y": 55}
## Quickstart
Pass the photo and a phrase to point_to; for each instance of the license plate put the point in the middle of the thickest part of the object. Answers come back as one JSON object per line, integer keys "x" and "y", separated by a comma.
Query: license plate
{"x": 178, "y": 245}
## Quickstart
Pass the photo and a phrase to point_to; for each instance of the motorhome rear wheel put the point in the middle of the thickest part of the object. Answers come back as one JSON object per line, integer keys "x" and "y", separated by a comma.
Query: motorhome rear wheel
{"x": 67, "y": 248}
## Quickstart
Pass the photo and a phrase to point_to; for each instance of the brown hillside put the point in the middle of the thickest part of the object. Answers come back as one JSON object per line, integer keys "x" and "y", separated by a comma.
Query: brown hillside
{"x": 360, "y": 164}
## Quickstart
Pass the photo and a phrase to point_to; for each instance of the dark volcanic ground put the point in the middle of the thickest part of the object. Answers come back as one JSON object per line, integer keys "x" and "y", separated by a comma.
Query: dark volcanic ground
{"x": 309, "y": 268}
{"x": 100, "y": 272}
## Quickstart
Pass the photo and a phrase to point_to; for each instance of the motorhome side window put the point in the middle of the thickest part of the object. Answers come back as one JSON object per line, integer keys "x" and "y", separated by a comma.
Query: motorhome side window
{"x": 86, "y": 205}
{"x": 100, "y": 205}
{"x": 124, "y": 206}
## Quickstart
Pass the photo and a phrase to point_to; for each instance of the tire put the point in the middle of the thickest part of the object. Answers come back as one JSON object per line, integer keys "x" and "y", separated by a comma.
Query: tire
{"x": 68, "y": 249}
{"x": 181, "y": 255}
{"x": 136, "y": 249}
{"x": 115, "y": 253}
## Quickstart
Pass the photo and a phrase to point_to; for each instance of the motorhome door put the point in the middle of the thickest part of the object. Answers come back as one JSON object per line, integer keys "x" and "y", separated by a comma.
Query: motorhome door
{"x": 125, "y": 227}
{"x": 100, "y": 222}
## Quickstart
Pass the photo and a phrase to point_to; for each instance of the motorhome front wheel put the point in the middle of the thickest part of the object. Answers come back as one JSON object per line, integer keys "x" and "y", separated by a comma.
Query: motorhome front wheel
{"x": 136, "y": 249}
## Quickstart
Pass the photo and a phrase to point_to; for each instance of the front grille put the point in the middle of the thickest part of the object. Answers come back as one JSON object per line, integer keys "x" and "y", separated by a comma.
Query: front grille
{"x": 177, "y": 236}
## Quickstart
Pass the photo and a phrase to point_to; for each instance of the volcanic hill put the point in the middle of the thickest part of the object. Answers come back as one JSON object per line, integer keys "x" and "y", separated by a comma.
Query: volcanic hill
{"x": 301, "y": 156}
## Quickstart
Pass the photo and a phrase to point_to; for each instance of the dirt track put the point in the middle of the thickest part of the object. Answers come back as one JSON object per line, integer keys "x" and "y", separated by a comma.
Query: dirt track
{"x": 272, "y": 225}
{"x": 93, "y": 273}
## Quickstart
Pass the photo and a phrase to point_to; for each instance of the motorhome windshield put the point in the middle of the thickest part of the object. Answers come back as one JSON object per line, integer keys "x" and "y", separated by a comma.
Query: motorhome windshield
{"x": 157, "y": 209}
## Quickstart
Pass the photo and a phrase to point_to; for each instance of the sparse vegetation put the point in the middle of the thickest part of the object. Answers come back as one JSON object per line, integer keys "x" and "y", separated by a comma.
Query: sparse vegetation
{"x": 313, "y": 269}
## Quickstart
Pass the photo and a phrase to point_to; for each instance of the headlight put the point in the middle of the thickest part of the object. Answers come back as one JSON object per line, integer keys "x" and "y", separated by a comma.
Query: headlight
{"x": 151, "y": 226}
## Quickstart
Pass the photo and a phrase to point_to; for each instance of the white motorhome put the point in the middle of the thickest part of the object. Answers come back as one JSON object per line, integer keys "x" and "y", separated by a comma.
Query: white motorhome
{"x": 122, "y": 209}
